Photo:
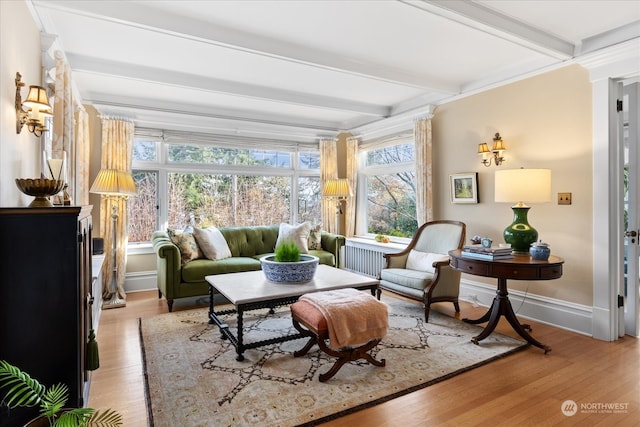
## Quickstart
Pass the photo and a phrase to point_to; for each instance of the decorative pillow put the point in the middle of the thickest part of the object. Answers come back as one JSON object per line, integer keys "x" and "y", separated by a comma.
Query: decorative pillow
{"x": 314, "y": 238}
{"x": 212, "y": 243}
{"x": 423, "y": 261}
{"x": 187, "y": 245}
{"x": 298, "y": 234}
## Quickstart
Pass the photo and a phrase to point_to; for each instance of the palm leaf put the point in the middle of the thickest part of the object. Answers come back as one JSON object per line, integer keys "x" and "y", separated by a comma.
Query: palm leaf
{"x": 22, "y": 390}
{"x": 54, "y": 400}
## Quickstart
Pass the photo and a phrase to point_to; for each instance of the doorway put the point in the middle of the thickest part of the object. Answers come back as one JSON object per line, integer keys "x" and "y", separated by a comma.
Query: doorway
{"x": 630, "y": 134}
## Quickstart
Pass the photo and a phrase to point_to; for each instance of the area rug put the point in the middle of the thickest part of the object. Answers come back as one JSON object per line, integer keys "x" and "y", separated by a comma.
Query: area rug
{"x": 193, "y": 378}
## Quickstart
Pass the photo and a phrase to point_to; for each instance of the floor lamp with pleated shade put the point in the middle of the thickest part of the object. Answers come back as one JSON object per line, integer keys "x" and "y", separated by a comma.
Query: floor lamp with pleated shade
{"x": 338, "y": 190}
{"x": 114, "y": 184}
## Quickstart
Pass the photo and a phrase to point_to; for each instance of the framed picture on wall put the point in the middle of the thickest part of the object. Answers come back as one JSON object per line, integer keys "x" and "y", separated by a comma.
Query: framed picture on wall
{"x": 464, "y": 187}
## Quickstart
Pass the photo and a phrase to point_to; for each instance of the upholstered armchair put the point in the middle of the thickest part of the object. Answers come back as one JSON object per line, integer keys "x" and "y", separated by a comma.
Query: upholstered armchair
{"x": 422, "y": 271}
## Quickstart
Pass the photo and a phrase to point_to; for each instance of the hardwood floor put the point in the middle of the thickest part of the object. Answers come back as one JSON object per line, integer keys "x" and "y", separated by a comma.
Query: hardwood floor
{"x": 526, "y": 388}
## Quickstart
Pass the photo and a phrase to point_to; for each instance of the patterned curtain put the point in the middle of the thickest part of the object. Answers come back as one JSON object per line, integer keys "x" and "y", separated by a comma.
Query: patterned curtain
{"x": 83, "y": 152}
{"x": 117, "y": 145}
{"x": 71, "y": 132}
{"x": 63, "y": 120}
{"x": 328, "y": 170}
{"x": 352, "y": 176}
{"x": 424, "y": 173}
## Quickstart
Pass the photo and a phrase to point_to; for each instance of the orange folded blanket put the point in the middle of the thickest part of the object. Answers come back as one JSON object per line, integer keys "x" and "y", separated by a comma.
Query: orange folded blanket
{"x": 353, "y": 317}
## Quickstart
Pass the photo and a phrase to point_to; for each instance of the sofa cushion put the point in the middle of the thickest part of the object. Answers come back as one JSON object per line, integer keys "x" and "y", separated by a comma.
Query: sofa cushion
{"x": 298, "y": 234}
{"x": 187, "y": 245}
{"x": 410, "y": 278}
{"x": 325, "y": 257}
{"x": 423, "y": 261}
{"x": 314, "y": 242}
{"x": 212, "y": 243}
{"x": 250, "y": 241}
{"x": 196, "y": 270}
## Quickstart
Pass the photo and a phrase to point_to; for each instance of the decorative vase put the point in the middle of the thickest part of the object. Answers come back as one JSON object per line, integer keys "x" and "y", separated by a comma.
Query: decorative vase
{"x": 289, "y": 272}
{"x": 520, "y": 234}
{"x": 540, "y": 251}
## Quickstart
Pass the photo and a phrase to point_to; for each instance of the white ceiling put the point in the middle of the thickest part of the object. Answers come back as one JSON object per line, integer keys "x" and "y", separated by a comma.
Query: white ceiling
{"x": 304, "y": 69}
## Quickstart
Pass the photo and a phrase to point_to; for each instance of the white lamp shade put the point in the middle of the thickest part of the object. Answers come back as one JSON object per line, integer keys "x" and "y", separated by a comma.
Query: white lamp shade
{"x": 113, "y": 182}
{"x": 337, "y": 188}
{"x": 523, "y": 185}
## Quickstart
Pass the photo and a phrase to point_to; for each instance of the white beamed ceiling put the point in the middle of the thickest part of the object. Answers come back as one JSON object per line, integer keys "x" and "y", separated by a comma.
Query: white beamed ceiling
{"x": 307, "y": 69}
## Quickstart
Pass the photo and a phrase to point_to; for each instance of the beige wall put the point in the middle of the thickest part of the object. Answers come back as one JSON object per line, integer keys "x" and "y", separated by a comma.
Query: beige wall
{"x": 545, "y": 122}
{"x": 19, "y": 52}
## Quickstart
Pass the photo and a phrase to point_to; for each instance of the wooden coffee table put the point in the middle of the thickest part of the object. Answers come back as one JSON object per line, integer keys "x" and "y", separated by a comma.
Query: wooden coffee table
{"x": 251, "y": 291}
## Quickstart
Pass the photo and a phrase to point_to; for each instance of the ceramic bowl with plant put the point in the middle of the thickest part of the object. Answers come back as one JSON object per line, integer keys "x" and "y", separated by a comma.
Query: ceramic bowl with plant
{"x": 288, "y": 265}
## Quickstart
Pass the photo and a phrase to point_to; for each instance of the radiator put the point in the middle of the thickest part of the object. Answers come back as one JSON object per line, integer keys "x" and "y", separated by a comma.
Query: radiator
{"x": 365, "y": 257}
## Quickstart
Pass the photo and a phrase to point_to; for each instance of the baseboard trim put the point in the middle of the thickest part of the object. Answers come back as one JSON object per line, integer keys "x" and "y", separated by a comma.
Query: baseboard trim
{"x": 140, "y": 281}
{"x": 550, "y": 311}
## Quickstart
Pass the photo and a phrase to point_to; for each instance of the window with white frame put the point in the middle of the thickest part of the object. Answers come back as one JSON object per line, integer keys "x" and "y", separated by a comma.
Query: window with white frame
{"x": 185, "y": 179}
{"x": 387, "y": 176}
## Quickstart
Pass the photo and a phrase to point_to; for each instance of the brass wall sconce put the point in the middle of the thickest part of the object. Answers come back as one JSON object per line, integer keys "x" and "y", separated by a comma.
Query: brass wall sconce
{"x": 38, "y": 107}
{"x": 494, "y": 154}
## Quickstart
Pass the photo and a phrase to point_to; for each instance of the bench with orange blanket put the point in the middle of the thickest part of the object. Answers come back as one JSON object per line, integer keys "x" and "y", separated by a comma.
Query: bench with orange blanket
{"x": 354, "y": 322}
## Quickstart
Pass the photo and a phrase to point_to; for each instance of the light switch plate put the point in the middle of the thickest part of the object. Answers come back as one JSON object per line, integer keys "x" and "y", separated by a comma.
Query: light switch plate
{"x": 564, "y": 198}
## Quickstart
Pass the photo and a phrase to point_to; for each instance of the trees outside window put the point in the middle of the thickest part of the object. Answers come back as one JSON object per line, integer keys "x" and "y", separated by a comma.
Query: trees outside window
{"x": 181, "y": 184}
{"x": 389, "y": 178}
{"x": 143, "y": 207}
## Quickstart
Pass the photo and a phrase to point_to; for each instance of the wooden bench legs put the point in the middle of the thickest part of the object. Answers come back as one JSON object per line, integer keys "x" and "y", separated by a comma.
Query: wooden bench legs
{"x": 344, "y": 355}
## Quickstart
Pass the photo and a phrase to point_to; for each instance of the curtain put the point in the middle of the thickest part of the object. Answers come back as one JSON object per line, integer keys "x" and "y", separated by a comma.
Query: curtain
{"x": 328, "y": 170}
{"x": 117, "y": 145}
{"x": 352, "y": 176}
{"x": 83, "y": 153}
{"x": 63, "y": 120}
{"x": 424, "y": 173}
{"x": 71, "y": 132}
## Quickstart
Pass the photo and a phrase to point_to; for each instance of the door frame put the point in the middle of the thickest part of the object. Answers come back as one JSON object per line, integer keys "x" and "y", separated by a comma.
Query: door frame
{"x": 605, "y": 70}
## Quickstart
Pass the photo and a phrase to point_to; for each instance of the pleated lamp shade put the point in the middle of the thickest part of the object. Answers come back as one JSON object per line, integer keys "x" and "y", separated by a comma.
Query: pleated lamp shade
{"x": 113, "y": 182}
{"x": 337, "y": 189}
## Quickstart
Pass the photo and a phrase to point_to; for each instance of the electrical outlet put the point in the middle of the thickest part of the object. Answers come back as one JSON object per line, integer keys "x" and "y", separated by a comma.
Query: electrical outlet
{"x": 564, "y": 198}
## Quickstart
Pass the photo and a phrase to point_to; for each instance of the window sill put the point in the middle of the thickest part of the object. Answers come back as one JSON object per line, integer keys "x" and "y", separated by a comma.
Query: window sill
{"x": 366, "y": 241}
{"x": 139, "y": 248}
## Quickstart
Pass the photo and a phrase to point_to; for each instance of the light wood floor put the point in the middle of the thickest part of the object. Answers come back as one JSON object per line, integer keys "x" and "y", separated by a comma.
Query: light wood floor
{"x": 526, "y": 388}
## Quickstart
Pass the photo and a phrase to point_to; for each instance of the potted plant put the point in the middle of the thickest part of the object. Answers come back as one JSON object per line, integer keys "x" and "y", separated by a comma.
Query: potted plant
{"x": 24, "y": 391}
{"x": 288, "y": 265}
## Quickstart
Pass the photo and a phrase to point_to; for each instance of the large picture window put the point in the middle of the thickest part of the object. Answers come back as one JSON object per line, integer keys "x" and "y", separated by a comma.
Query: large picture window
{"x": 181, "y": 183}
{"x": 389, "y": 179}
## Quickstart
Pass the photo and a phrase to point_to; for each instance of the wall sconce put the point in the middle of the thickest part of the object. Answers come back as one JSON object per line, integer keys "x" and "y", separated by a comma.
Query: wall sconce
{"x": 37, "y": 105}
{"x": 494, "y": 154}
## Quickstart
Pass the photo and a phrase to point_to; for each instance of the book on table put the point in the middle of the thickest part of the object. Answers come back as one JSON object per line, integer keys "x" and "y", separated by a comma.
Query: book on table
{"x": 480, "y": 252}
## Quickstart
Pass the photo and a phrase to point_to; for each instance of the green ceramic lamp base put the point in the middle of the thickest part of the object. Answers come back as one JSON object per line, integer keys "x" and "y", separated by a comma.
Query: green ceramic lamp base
{"x": 520, "y": 234}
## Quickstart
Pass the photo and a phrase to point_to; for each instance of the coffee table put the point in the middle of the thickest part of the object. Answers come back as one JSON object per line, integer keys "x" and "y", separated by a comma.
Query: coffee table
{"x": 251, "y": 291}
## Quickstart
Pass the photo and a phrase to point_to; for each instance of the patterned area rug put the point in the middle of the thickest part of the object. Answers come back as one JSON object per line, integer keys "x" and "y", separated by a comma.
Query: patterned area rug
{"x": 193, "y": 378}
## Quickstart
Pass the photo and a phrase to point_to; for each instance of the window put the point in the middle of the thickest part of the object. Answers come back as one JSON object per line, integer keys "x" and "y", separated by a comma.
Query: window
{"x": 143, "y": 207}
{"x": 227, "y": 200}
{"x": 194, "y": 179}
{"x": 388, "y": 176}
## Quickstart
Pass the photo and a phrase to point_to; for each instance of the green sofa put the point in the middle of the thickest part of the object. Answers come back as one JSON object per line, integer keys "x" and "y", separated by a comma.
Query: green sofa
{"x": 247, "y": 245}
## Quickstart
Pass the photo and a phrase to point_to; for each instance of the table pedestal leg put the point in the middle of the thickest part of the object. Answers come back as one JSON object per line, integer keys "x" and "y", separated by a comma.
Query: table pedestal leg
{"x": 501, "y": 306}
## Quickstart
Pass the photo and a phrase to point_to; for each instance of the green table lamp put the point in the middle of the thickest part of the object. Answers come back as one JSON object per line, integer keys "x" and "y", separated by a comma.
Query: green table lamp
{"x": 519, "y": 186}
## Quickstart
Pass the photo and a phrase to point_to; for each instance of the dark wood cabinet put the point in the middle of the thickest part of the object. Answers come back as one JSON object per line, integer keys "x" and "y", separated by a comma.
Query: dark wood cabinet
{"x": 45, "y": 293}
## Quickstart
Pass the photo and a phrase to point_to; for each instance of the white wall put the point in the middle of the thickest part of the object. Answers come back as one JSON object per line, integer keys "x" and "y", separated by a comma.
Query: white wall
{"x": 20, "y": 51}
